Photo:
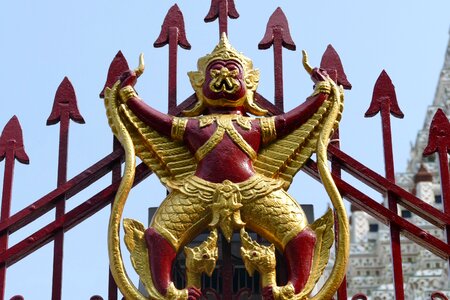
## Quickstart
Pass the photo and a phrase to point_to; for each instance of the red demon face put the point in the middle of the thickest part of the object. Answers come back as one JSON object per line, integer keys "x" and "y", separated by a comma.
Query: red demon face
{"x": 224, "y": 80}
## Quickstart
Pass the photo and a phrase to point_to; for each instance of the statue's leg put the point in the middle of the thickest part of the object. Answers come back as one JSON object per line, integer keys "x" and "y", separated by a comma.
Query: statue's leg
{"x": 281, "y": 220}
{"x": 161, "y": 255}
{"x": 299, "y": 254}
{"x": 176, "y": 222}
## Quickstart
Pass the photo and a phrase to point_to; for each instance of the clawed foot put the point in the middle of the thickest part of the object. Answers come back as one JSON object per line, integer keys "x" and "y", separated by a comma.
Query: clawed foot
{"x": 194, "y": 293}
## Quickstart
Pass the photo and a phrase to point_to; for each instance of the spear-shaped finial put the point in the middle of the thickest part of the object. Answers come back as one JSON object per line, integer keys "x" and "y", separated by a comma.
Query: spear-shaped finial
{"x": 174, "y": 34}
{"x": 64, "y": 109}
{"x": 173, "y": 19}
{"x": 384, "y": 100}
{"x": 278, "y": 34}
{"x": 439, "y": 136}
{"x": 11, "y": 141}
{"x": 11, "y": 148}
{"x": 277, "y": 29}
{"x": 65, "y": 102}
{"x": 118, "y": 65}
{"x": 331, "y": 62}
{"x": 439, "y": 141}
{"x": 222, "y": 9}
{"x": 384, "y": 91}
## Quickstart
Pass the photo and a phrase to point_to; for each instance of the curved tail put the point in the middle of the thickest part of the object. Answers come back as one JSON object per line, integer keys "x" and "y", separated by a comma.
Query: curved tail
{"x": 340, "y": 266}
{"x": 115, "y": 255}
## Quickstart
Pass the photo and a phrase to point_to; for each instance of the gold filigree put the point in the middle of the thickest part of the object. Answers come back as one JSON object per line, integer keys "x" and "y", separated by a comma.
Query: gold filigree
{"x": 225, "y": 125}
{"x": 224, "y": 80}
{"x": 178, "y": 128}
{"x": 260, "y": 258}
{"x": 127, "y": 93}
{"x": 268, "y": 130}
{"x": 225, "y": 209}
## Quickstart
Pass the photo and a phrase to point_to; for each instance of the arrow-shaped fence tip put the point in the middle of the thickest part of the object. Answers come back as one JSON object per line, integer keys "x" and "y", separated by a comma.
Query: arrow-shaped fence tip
{"x": 174, "y": 19}
{"x": 214, "y": 10}
{"x": 65, "y": 99}
{"x": 277, "y": 24}
{"x": 439, "y": 136}
{"x": 384, "y": 90}
{"x": 12, "y": 138}
{"x": 118, "y": 65}
{"x": 331, "y": 62}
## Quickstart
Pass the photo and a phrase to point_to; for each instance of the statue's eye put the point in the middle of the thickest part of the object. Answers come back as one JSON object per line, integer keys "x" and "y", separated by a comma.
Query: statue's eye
{"x": 254, "y": 254}
{"x": 214, "y": 73}
{"x": 205, "y": 256}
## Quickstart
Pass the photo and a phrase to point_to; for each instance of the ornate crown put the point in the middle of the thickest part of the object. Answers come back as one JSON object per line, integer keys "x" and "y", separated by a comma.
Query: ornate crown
{"x": 225, "y": 51}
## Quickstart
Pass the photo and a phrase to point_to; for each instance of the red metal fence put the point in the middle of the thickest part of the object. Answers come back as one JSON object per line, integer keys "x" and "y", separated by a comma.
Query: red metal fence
{"x": 172, "y": 34}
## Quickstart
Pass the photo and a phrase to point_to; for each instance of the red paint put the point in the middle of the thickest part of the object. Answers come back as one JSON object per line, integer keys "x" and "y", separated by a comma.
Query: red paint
{"x": 384, "y": 94}
{"x": 382, "y": 185}
{"x": 173, "y": 34}
{"x": 299, "y": 254}
{"x": 64, "y": 108}
{"x": 381, "y": 213}
{"x": 118, "y": 65}
{"x": 71, "y": 188}
{"x": 438, "y": 296}
{"x": 65, "y": 102}
{"x": 69, "y": 220}
{"x": 439, "y": 141}
{"x": 331, "y": 62}
{"x": 222, "y": 9}
{"x": 11, "y": 148}
{"x": 161, "y": 255}
{"x": 384, "y": 100}
{"x": 226, "y": 269}
{"x": 278, "y": 34}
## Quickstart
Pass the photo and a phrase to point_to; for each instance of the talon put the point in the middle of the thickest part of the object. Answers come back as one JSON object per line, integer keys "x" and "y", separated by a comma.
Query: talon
{"x": 306, "y": 64}
{"x": 140, "y": 69}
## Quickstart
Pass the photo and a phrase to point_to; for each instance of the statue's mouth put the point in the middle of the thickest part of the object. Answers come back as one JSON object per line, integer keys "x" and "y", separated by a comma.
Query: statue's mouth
{"x": 224, "y": 80}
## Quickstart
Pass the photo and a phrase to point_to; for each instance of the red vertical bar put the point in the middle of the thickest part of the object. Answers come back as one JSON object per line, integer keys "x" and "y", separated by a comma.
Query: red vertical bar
{"x": 227, "y": 270}
{"x": 116, "y": 175}
{"x": 445, "y": 187}
{"x": 390, "y": 175}
{"x": 439, "y": 141}
{"x": 336, "y": 170}
{"x": 278, "y": 67}
{"x": 223, "y": 17}
{"x": 58, "y": 251}
{"x": 6, "y": 209}
{"x": 173, "y": 52}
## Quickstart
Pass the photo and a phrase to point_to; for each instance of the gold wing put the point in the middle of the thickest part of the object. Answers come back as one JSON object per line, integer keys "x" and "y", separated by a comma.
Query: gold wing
{"x": 285, "y": 157}
{"x": 134, "y": 240}
{"x": 167, "y": 158}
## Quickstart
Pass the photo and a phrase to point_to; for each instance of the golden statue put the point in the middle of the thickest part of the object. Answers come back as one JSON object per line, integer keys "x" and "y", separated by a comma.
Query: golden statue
{"x": 226, "y": 170}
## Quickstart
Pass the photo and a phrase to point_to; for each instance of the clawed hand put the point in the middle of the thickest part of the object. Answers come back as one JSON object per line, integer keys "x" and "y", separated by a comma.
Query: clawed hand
{"x": 130, "y": 77}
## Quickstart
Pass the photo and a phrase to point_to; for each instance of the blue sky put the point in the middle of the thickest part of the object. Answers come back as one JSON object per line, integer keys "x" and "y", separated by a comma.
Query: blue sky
{"x": 43, "y": 41}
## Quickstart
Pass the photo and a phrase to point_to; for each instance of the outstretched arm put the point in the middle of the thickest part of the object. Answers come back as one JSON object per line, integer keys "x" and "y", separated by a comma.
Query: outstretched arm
{"x": 155, "y": 119}
{"x": 293, "y": 119}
